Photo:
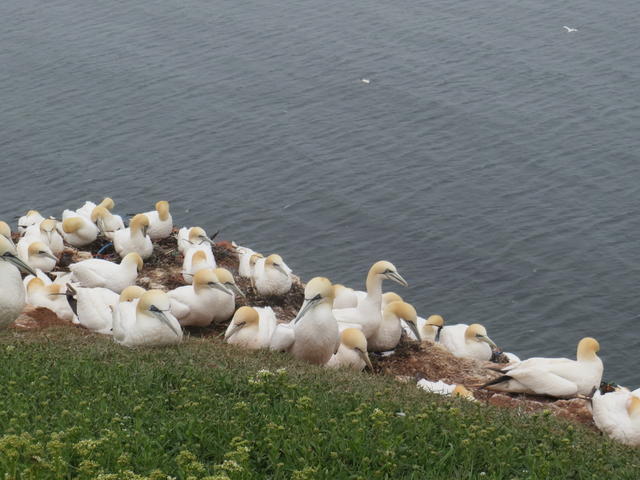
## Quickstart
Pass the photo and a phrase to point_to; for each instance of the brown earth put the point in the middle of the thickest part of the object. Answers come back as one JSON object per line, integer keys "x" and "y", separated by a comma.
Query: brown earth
{"x": 411, "y": 361}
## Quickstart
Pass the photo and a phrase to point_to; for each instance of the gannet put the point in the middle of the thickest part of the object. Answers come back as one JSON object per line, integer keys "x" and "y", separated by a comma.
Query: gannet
{"x": 244, "y": 257}
{"x": 47, "y": 233}
{"x": 467, "y": 341}
{"x": 107, "y": 223}
{"x": 51, "y": 296}
{"x": 389, "y": 297}
{"x": 344, "y": 297}
{"x": 5, "y": 231}
{"x": 134, "y": 238}
{"x": 196, "y": 305}
{"x": 225, "y": 303}
{"x": 195, "y": 259}
{"x": 87, "y": 208}
{"x": 12, "y": 297}
{"x": 618, "y": 415}
{"x": 556, "y": 377}
{"x": 189, "y": 237}
{"x": 77, "y": 230}
{"x": 124, "y": 313}
{"x": 32, "y": 217}
{"x": 251, "y": 327}
{"x": 431, "y": 328}
{"x": 36, "y": 254}
{"x": 93, "y": 307}
{"x": 352, "y": 352}
{"x": 153, "y": 325}
{"x": 160, "y": 221}
{"x": 388, "y": 334}
{"x": 569, "y": 29}
{"x": 368, "y": 313}
{"x": 313, "y": 335}
{"x": 274, "y": 278}
{"x": 103, "y": 273}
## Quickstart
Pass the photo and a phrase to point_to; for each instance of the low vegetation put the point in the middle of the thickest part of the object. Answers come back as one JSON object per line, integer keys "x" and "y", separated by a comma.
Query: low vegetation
{"x": 77, "y": 406}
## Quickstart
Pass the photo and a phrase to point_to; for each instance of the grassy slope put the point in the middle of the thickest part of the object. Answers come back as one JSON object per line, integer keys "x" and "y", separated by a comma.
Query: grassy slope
{"x": 78, "y": 406}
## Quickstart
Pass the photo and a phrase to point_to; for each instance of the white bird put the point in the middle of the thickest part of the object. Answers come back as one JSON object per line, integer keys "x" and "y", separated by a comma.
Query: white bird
{"x": 32, "y": 217}
{"x": 430, "y": 328}
{"x": 12, "y": 296}
{"x": 388, "y": 334}
{"x": 352, "y": 352}
{"x": 556, "y": 377}
{"x": 93, "y": 307}
{"x": 153, "y": 324}
{"x": 86, "y": 210}
{"x": 274, "y": 278}
{"x": 245, "y": 254}
{"x": 344, "y": 297}
{"x": 5, "y": 231}
{"x": 225, "y": 303}
{"x": 196, "y": 305}
{"x": 77, "y": 230}
{"x": 134, "y": 238}
{"x": 195, "y": 259}
{"x": 313, "y": 335}
{"x": 569, "y": 29}
{"x": 96, "y": 272}
{"x": 368, "y": 313}
{"x": 467, "y": 341}
{"x": 36, "y": 254}
{"x": 251, "y": 327}
{"x": 160, "y": 221}
{"x": 124, "y": 313}
{"x": 107, "y": 223}
{"x": 194, "y": 236}
{"x": 618, "y": 415}
{"x": 47, "y": 233}
{"x": 365, "y": 80}
{"x": 51, "y": 296}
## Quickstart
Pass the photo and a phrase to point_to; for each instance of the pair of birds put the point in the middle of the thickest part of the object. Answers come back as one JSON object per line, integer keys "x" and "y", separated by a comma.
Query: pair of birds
{"x": 269, "y": 276}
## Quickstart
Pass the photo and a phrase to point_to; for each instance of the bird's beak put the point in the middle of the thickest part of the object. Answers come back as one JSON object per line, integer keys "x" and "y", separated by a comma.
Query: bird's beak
{"x": 19, "y": 263}
{"x": 365, "y": 356}
{"x": 487, "y": 340}
{"x": 234, "y": 288}
{"x": 234, "y": 329}
{"x": 438, "y": 332}
{"x": 209, "y": 241}
{"x": 144, "y": 231}
{"x": 160, "y": 315}
{"x": 396, "y": 277}
{"x": 48, "y": 255}
{"x": 307, "y": 305}
{"x": 221, "y": 287}
{"x": 414, "y": 329}
{"x": 281, "y": 269}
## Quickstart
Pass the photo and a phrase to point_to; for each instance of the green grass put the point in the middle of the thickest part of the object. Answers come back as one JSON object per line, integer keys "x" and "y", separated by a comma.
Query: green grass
{"x": 81, "y": 407}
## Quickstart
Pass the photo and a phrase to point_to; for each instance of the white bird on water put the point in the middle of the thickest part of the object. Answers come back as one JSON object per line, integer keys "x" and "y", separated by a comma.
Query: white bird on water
{"x": 152, "y": 323}
{"x": 312, "y": 336}
{"x": 569, "y": 29}
{"x": 12, "y": 296}
{"x": 556, "y": 377}
{"x": 251, "y": 327}
{"x": 368, "y": 313}
{"x": 96, "y": 272}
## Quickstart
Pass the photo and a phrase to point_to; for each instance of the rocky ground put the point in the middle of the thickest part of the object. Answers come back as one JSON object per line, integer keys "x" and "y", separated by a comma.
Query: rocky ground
{"x": 410, "y": 362}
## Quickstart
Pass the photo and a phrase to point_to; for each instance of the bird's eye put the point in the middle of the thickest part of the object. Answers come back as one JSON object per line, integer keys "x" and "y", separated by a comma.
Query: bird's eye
{"x": 153, "y": 308}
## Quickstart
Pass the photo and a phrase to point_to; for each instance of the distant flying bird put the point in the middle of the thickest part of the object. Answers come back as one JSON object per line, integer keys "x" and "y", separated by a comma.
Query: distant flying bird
{"x": 569, "y": 29}
{"x": 365, "y": 80}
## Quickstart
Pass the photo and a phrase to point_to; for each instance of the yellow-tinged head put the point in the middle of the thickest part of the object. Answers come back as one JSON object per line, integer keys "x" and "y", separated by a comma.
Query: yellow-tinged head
{"x": 254, "y": 258}
{"x": 318, "y": 287}
{"x": 35, "y": 284}
{"x": 207, "y": 278}
{"x": 587, "y": 349}
{"x": 435, "y": 320}
{"x": 162, "y": 207}
{"x": 275, "y": 261}
{"x": 139, "y": 223}
{"x": 131, "y": 292}
{"x": 224, "y": 275}
{"x": 244, "y": 316}
{"x": 384, "y": 269}
{"x": 197, "y": 235}
{"x": 402, "y": 310}
{"x": 72, "y": 225}
{"x": 107, "y": 203}
{"x": 39, "y": 248}
{"x": 633, "y": 406}
{"x": 354, "y": 339}
{"x": 477, "y": 333}
{"x": 199, "y": 256}
{"x": 133, "y": 257}
{"x": 5, "y": 229}
{"x": 54, "y": 288}
{"x": 48, "y": 225}
{"x": 461, "y": 391}
{"x": 390, "y": 297}
{"x": 156, "y": 298}
{"x": 32, "y": 212}
{"x": 99, "y": 212}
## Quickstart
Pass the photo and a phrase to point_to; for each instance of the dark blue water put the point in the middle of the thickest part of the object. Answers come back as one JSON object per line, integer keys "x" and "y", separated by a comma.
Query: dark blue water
{"x": 493, "y": 157}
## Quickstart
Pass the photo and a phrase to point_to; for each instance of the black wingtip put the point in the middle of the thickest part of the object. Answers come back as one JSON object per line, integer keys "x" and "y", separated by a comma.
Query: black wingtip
{"x": 503, "y": 378}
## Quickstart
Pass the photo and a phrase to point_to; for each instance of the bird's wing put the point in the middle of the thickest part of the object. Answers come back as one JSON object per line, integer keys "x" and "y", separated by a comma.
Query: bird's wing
{"x": 267, "y": 325}
{"x": 283, "y": 338}
{"x": 178, "y": 308}
{"x": 541, "y": 379}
